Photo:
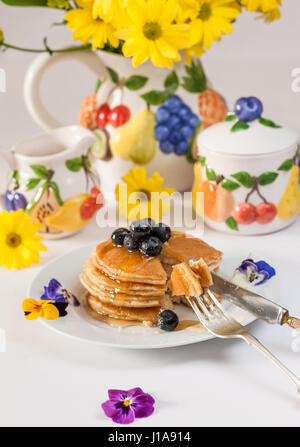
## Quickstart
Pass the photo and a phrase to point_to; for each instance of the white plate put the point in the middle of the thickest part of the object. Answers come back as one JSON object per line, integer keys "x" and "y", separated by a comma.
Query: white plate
{"x": 78, "y": 324}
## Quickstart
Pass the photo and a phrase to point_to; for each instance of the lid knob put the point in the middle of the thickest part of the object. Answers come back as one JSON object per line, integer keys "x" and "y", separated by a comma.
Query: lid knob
{"x": 248, "y": 109}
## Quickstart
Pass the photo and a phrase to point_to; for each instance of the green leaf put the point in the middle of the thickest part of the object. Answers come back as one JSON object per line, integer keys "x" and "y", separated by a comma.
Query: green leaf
{"x": 210, "y": 174}
{"x": 189, "y": 155}
{"x": 196, "y": 81}
{"x": 231, "y": 223}
{"x": 268, "y": 123}
{"x": 266, "y": 178}
{"x": 55, "y": 188}
{"x": 25, "y": 2}
{"x": 16, "y": 177}
{"x": 86, "y": 162}
{"x": 75, "y": 164}
{"x": 135, "y": 82}
{"x": 113, "y": 75}
{"x": 171, "y": 83}
{"x": 40, "y": 171}
{"x": 154, "y": 97}
{"x": 229, "y": 185}
{"x": 31, "y": 183}
{"x": 239, "y": 125}
{"x": 286, "y": 165}
{"x": 99, "y": 85}
{"x": 244, "y": 178}
{"x": 202, "y": 161}
{"x": 230, "y": 117}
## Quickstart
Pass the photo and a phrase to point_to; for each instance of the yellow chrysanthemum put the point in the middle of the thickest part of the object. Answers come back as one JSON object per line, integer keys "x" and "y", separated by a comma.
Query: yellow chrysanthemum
{"x": 108, "y": 9}
{"x": 19, "y": 245}
{"x": 213, "y": 19}
{"x": 89, "y": 29}
{"x": 268, "y": 8}
{"x": 150, "y": 32}
{"x": 187, "y": 9}
{"x": 34, "y": 309}
{"x": 135, "y": 198}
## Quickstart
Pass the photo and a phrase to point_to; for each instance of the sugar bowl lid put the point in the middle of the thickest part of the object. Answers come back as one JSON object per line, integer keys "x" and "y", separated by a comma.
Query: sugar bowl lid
{"x": 246, "y": 132}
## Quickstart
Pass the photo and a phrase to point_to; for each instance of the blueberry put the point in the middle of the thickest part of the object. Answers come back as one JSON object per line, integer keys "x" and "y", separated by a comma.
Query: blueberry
{"x": 182, "y": 148}
{"x": 118, "y": 236}
{"x": 130, "y": 242}
{"x": 162, "y": 115}
{"x": 187, "y": 132}
{"x": 167, "y": 147}
{"x": 162, "y": 231}
{"x": 185, "y": 112}
{"x": 141, "y": 227}
{"x": 194, "y": 121}
{"x": 167, "y": 320}
{"x": 161, "y": 132}
{"x": 174, "y": 122}
{"x": 150, "y": 246}
{"x": 176, "y": 137}
{"x": 248, "y": 109}
{"x": 20, "y": 201}
{"x": 173, "y": 104}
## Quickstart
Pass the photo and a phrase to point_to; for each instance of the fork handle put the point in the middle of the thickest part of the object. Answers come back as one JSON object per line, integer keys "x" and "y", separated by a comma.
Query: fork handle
{"x": 252, "y": 341}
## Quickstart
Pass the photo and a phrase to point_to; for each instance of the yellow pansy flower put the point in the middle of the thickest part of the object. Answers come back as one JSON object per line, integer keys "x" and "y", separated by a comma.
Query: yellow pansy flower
{"x": 34, "y": 309}
{"x": 89, "y": 29}
{"x": 19, "y": 245}
{"x": 137, "y": 202}
{"x": 150, "y": 32}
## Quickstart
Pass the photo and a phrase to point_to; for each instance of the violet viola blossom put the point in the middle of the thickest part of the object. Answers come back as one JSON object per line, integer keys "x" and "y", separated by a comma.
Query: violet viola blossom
{"x": 257, "y": 273}
{"x": 124, "y": 406}
{"x": 55, "y": 292}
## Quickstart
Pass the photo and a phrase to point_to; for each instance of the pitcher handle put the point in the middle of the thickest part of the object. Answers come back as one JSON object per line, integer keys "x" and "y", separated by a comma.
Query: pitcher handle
{"x": 36, "y": 72}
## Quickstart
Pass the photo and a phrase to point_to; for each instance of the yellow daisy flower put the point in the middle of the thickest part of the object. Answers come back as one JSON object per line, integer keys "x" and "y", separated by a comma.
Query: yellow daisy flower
{"x": 150, "y": 32}
{"x": 19, "y": 245}
{"x": 89, "y": 29}
{"x": 135, "y": 197}
{"x": 268, "y": 8}
{"x": 108, "y": 9}
{"x": 34, "y": 309}
{"x": 187, "y": 9}
{"x": 213, "y": 19}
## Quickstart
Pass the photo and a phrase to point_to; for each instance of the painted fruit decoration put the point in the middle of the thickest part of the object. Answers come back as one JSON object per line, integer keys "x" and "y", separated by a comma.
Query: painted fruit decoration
{"x": 13, "y": 199}
{"x": 289, "y": 204}
{"x": 172, "y": 126}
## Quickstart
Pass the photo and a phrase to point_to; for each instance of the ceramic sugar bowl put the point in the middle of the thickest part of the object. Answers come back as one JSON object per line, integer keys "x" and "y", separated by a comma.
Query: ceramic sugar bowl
{"x": 248, "y": 170}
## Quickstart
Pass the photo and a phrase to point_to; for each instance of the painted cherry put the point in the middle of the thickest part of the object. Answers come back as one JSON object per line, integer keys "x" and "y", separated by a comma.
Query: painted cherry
{"x": 88, "y": 209}
{"x": 102, "y": 115}
{"x": 265, "y": 212}
{"x": 245, "y": 213}
{"x": 119, "y": 116}
{"x": 97, "y": 195}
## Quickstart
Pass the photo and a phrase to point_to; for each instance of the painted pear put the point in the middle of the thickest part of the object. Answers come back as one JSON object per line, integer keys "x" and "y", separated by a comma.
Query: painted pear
{"x": 135, "y": 140}
{"x": 289, "y": 205}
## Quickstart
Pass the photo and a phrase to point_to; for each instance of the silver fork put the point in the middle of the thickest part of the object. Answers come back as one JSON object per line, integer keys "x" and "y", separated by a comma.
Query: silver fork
{"x": 219, "y": 323}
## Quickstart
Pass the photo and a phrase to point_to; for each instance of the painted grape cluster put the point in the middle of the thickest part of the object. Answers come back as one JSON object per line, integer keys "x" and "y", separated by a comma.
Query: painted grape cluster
{"x": 176, "y": 125}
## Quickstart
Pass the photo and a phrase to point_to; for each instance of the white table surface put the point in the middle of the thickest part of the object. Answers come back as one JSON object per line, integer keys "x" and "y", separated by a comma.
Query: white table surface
{"x": 50, "y": 380}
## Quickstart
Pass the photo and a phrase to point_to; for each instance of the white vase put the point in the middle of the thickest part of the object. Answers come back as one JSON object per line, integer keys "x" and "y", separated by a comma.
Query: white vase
{"x": 176, "y": 170}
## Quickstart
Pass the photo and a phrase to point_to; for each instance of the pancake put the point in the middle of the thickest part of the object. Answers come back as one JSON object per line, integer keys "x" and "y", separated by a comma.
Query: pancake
{"x": 119, "y": 299}
{"x": 119, "y": 264}
{"x": 184, "y": 282}
{"x": 147, "y": 316}
{"x": 104, "y": 282}
{"x": 182, "y": 247}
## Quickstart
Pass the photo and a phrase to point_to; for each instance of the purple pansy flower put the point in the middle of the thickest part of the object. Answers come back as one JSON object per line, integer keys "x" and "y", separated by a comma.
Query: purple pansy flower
{"x": 257, "y": 272}
{"x": 124, "y": 406}
{"x": 55, "y": 292}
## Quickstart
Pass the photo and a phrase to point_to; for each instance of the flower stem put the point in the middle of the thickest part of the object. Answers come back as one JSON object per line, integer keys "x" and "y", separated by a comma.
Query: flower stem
{"x": 46, "y": 50}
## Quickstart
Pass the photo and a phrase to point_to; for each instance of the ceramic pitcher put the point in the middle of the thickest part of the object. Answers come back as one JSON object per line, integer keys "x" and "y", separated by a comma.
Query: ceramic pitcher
{"x": 121, "y": 84}
{"x": 51, "y": 177}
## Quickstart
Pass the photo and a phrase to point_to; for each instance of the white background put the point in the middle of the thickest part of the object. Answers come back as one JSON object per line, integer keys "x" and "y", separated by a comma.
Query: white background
{"x": 50, "y": 380}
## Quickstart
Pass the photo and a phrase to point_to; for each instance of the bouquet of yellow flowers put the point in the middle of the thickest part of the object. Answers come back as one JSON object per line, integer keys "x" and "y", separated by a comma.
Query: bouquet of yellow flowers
{"x": 151, "y": 29}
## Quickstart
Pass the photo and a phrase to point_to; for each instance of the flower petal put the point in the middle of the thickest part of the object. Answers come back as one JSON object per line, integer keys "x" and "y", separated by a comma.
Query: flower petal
{"x": 124, "y": 415}
{"x": 54, "y": 288}
{"x": 109, "y": 408}
{"x": 118, "y": 395}
{"x": 143, "y": 411}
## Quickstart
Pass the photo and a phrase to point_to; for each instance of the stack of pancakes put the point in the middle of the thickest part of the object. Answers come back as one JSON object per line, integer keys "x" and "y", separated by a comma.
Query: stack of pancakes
{"x": 134, "y": 287}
